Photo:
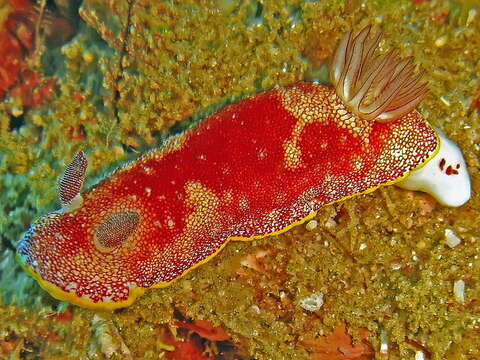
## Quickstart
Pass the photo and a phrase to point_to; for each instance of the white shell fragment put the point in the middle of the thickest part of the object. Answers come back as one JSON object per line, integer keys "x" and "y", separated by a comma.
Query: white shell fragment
{"x": 451, "y": 238}
{"x": 383, "y": 342}
{"x": 445, "y": 176}
{"x": 419, "y": 355}
{"x": 459, "y": 291}
{"x": 108, "y": 338}
{"x": 311, "y": 225}
{"x": 312, "y": 303}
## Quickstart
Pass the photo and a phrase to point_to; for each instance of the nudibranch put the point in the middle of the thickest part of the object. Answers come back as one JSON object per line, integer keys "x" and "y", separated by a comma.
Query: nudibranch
{"x": 253, "y": 169}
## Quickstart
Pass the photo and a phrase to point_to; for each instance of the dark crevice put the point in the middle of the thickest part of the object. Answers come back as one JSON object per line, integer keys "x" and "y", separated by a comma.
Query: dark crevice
{"x": 258, "y": 13}
{"x": 16, "y": 122}
{"x": 123, "y": 52}
{"x": 7, "y": 244}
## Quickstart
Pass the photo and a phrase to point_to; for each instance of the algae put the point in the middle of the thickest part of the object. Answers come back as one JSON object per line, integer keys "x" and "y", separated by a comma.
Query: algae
{"x": 137, "y": 71}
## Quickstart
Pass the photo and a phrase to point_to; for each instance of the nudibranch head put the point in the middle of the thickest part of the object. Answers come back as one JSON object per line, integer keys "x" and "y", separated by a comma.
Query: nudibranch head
{"x": 85, "y": 268}
{"x": 90, "y": 256}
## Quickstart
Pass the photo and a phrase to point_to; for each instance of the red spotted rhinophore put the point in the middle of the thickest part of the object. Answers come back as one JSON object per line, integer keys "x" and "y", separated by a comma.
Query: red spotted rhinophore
{"x": 253, "y": 169}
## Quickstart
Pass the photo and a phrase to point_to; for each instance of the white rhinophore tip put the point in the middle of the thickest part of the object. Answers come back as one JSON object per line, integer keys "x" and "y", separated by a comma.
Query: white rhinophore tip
{"x": 445, "y": 176}
{"x": 74, "y": 204}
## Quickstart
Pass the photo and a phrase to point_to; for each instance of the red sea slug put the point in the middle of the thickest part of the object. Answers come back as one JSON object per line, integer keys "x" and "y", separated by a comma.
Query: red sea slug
{"x": 255, "y": 168}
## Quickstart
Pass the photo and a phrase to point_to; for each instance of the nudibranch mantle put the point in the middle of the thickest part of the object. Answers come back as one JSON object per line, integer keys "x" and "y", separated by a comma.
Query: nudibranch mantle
{"x": 255, "y": 168}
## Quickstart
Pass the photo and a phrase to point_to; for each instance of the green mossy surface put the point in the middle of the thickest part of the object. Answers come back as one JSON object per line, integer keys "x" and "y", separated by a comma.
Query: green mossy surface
{"x": 139, "y": 70}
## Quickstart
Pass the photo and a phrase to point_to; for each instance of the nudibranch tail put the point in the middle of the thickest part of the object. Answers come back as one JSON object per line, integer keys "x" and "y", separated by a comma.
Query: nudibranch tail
{"x": 374, "y": 87}
{"x": 445, "y": 176}
{"x": 71, "y": 183}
